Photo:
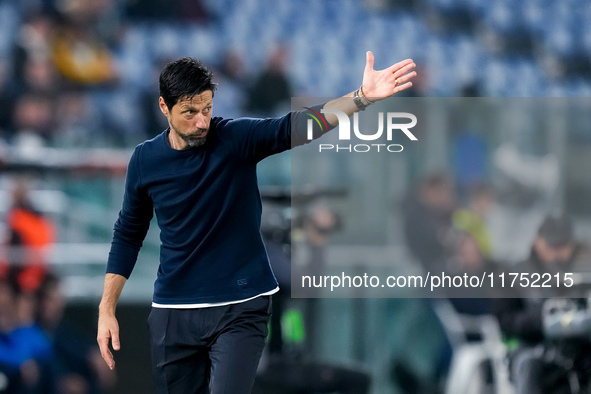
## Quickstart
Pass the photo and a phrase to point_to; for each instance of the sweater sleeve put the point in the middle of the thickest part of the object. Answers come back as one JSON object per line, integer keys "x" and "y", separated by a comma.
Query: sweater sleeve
{"x": 259, "y": 138}
{"x": 133, "y": 223}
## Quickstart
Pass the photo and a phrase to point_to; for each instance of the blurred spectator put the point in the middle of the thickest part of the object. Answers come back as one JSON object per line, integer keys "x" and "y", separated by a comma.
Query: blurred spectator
{"x": 81, "y": 57}
{"x": 230, "y": 76}
{"x": 467, "y": 258}
{"x": 473, "y": 218}
{"x": 33, "y": 120}
{"x": 36, "y": 340}
{"x": 535, "y": 366}
{"x": 174, "y": 10}
{"x": 271, "y": 91}
{"x": 34, "y": 81}
{"x": 32, "y": 51}
{"x": 77, "y": 366}
{"x": 100, "y": 17}
{"x": 76, "y": 122}
{"x": 428, "y": 219}
{"x": 29, "y": 234}
{"x": 192, "y": 11}
{"x": 34, "y": 344}
{"x": 232, "y": 68}
{"x": 39, "y": 77}
{"x": 7, "y": 94}
{"x": 150, "y": 111}
{"x": 319, "y": 223}
{"x": 24, "y": 346}
{"x": 9, "y": 366}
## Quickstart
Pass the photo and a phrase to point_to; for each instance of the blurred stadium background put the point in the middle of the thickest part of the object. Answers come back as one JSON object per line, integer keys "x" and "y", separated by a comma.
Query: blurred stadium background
{"x": 78, "y": 90}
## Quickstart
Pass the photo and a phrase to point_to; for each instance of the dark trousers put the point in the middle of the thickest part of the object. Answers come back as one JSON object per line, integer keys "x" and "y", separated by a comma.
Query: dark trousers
{"x": 208, "y": 350}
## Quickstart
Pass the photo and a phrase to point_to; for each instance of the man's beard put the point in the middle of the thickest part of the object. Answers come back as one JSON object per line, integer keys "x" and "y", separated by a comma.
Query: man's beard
{"x": 193, "y": 141}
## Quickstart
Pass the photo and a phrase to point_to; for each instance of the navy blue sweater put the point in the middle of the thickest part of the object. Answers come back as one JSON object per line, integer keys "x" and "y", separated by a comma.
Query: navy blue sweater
{"x": 208, "y": 208}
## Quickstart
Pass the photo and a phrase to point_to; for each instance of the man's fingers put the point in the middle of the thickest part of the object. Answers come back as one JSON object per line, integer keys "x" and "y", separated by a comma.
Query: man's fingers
{"x": 115, "y": 340}
{"x": 396, "y": 67}
{"x": 405, "y": 70}
{"x": 369, "y": 61}
{"x": 105, "y": 352}
{"x": 103, "y": 340}
{"x": 404, "y": 86}
{"x": 404, "y": 78}
{"x": 108, "y": 330}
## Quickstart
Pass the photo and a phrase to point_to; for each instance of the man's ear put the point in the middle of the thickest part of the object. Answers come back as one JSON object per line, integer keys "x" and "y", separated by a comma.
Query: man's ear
{"x": 163, "y": 106}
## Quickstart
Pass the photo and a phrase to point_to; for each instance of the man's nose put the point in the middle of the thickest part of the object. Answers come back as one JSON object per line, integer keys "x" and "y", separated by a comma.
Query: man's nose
{"x": 201, "y": 122}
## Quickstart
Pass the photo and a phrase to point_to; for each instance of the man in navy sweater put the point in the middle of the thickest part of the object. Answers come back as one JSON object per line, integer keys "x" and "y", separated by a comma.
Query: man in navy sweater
{"x": 211, "y": 301}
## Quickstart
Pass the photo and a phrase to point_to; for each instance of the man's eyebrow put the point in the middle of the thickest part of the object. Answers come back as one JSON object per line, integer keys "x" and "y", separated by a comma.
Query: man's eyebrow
{"x": 188, "y": 105}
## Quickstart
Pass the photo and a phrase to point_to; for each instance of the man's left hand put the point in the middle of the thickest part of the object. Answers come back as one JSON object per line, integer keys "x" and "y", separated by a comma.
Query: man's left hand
{"x": 380, "y": 84}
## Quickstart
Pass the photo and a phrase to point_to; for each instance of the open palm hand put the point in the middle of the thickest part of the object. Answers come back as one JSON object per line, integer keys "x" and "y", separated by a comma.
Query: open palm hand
{"x": 380, "y": 84}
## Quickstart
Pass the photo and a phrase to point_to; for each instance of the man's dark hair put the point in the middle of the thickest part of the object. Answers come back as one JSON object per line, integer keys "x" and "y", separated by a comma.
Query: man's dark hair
{"x": 183, "y": 79}
{"x": 557, "y": 231}
{"x": 435, "y": 180}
